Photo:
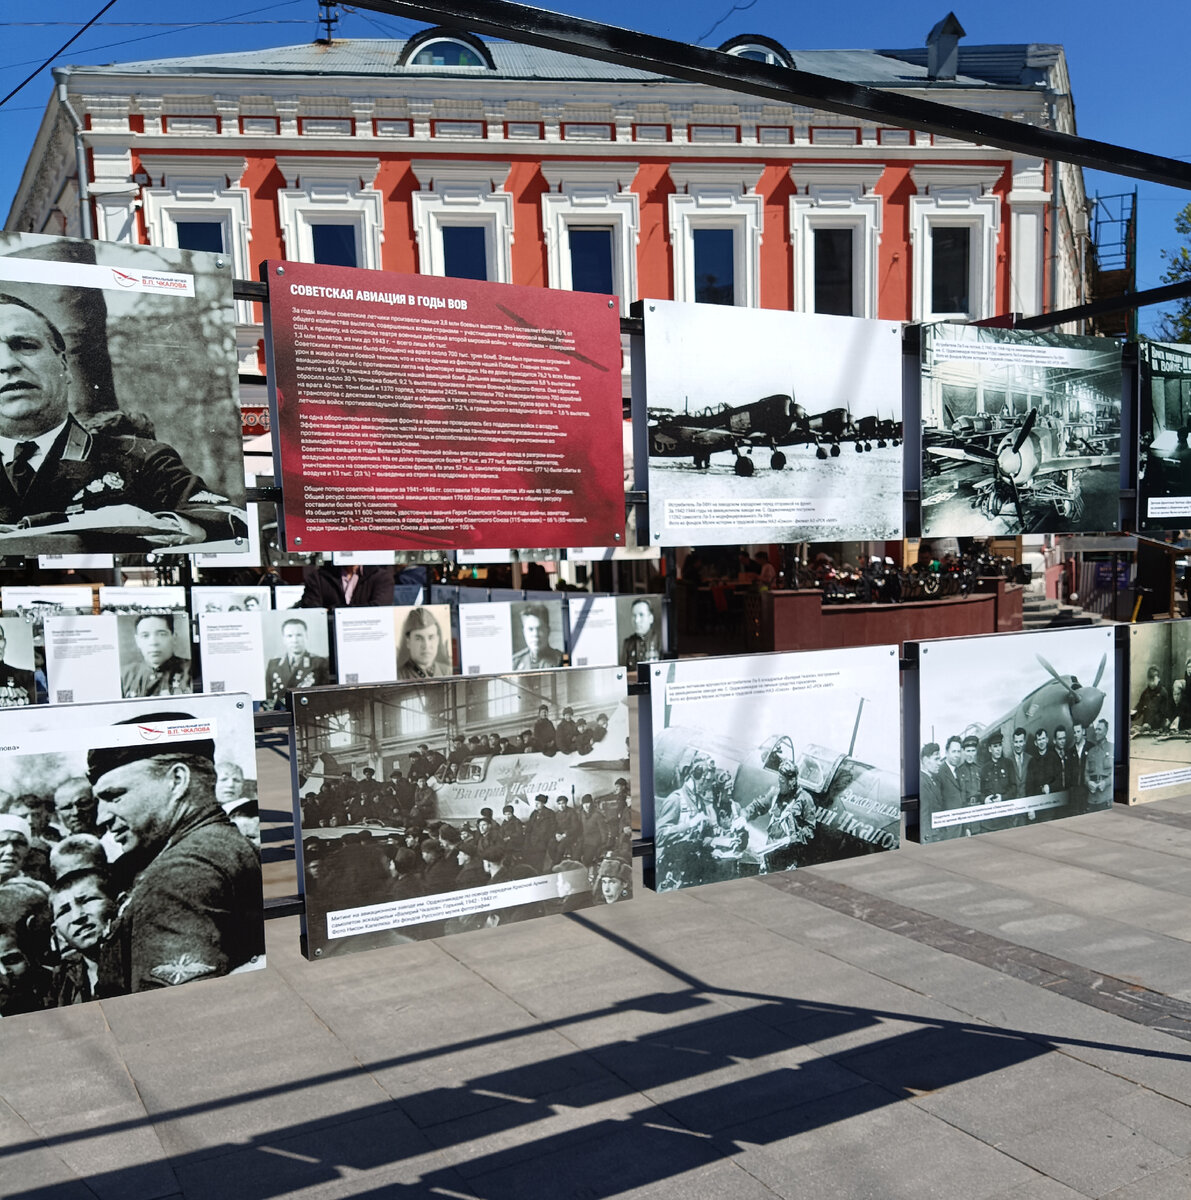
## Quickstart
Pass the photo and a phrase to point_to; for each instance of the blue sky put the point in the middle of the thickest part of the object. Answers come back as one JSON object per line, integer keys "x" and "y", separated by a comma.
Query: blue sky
{"x": 1127, "y": 63}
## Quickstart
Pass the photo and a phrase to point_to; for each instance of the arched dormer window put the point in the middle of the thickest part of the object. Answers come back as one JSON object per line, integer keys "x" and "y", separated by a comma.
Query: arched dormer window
{"x": 756, "y": 47}
{"x": 442, "y": 47}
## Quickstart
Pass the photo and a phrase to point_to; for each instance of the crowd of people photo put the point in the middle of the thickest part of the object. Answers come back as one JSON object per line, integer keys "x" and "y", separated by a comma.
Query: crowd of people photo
{"x": 143, "y": 873}
{"x": 396, "y": 846}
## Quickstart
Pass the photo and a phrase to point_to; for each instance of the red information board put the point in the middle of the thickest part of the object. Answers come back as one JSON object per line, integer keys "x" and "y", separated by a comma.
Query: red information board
{"x": 416, "y": 412}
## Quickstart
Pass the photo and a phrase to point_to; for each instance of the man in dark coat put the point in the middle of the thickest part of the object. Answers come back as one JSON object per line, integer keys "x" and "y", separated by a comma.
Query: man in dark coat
{"x": 1042, "y": 773}
{"x": 194, "y": 909}
{"x": 54, "y": 468}
{"x": 540, "y": 829}
{"x": 331, "y": 586}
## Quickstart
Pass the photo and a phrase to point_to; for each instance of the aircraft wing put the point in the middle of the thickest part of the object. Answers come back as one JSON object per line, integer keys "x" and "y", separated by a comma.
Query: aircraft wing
{"x": 958, "y": 455}
{"x": 1077, "y": 462}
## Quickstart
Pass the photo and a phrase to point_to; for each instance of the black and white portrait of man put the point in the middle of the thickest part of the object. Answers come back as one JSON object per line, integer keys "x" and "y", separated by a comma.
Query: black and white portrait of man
{"x": 119, "y": 426}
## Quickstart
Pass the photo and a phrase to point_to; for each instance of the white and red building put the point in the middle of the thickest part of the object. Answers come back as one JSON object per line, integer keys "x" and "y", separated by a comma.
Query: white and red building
{"x": 446, "y": 155}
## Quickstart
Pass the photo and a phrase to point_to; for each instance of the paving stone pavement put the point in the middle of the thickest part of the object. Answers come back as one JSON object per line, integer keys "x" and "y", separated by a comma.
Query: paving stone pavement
{"x": 1002, "y": 1018}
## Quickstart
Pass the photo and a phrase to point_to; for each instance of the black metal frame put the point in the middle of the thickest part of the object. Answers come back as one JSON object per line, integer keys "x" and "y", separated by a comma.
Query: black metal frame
{"x": 678, "y": 60}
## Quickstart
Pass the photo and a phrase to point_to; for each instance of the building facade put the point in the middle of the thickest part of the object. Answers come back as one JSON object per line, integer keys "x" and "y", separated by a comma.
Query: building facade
{"x": 446, "y": 155}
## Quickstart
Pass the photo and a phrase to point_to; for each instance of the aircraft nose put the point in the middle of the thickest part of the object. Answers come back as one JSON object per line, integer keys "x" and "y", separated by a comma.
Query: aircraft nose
{"x": 1087, "y": 708}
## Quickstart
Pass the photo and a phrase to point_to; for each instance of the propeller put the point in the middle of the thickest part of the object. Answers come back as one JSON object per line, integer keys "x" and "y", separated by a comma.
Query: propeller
{"x": 1100, "y": 671}
{"x": 1073, "y": 693}
{"x": 981, "y": 452}
{"x": 1025, "y": 430}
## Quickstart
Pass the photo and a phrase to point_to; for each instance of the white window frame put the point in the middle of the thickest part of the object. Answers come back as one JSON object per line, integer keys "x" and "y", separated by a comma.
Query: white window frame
{"x": 586, "y": 195}
{"x": 463, "y": 193}
{"x": 717, "y": 196}
{"x": 330, "y": 191}
{"x": 955, "y": 196}
{"x": 200, "y": 188}
{"x": 834, "y": 197}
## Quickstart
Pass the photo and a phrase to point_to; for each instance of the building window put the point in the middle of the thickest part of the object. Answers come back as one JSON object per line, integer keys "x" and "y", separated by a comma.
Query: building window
{"x": 756, "y": 48}
{"x": 193, "y": 203}
{"x": 955, "y": 221}
{"x": 714, "y": 252}
{"x": 463, "y": 223}
{"x": 834, "y": 271}
{"x": 835, "y": 226}
{"x": 590, "y": 220}
{"x": 715, "y": 229}
{"x": 329, "y": 211}
{"x": 950, "y": 268}
{"x": 591, "y": 259}
{"x": 200, "y": 235}
{"x": 465, "y": 251}
{"x": 333, "y": 245}
{"x": 441, "y": 47}
{"x": 444, "y": 53}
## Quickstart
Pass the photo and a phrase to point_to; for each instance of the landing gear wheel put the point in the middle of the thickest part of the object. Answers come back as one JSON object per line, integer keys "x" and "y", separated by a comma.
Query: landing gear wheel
{"x": 835, "y": 452}
{"x": 744, "y": 466}
{"x": 820, "y": 452}
{"x": 777, "y": 461}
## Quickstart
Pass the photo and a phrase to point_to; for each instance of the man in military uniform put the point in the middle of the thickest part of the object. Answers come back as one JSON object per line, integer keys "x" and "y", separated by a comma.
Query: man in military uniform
{"x": 54, "y": 468}
{"x": 194, "y": 909}
{"x": 16, "y": 686}
{"x": 969, "y": 772}
{"x": 792, "y": 817}
{"x": 643, "y": 644}
{"x": 535, "y": 629}
{"x": 420, "y": 640}
{"x": 297, "y": 668}
{"x": 1099, "y": 768}
{"x": 1154, "y": 705}
{"x": 160, "y": 671}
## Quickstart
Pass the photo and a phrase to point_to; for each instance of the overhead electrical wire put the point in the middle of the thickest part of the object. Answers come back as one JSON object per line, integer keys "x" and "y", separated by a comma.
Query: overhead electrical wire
{"x": 69, "y": 41}
{"x": 147, "y": 37}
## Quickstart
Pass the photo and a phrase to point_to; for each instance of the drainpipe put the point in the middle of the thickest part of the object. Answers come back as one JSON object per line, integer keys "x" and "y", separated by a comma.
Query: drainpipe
{"x": 80, "y": 153}
{"x": 1056, "y": 183}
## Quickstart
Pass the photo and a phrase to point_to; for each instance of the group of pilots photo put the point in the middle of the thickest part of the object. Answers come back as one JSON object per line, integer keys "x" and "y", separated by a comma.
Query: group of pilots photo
{"x": 1014, "y": 728}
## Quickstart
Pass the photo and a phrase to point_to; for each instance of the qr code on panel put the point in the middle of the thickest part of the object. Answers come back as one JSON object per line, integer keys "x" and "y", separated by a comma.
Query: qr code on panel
{"x": 64, "y": 697}
{"x": 218, "y": 685}
{"x": 581, "y": 662}
{"x": 352, "y": 677}
{"x": 473, "y": 670}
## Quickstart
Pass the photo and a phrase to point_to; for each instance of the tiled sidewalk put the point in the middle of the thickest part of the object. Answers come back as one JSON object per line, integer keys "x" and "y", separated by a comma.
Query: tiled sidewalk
{"x": 1008, "y": 1016}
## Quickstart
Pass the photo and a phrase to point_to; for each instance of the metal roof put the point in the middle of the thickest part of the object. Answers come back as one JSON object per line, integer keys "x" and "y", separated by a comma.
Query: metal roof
{"x": 979, "y": 66}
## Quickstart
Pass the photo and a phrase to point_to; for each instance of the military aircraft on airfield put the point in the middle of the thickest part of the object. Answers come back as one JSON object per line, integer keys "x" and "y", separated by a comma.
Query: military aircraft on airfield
{"x": 773, "y": 421}
{"x": 1036, "y": 466}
